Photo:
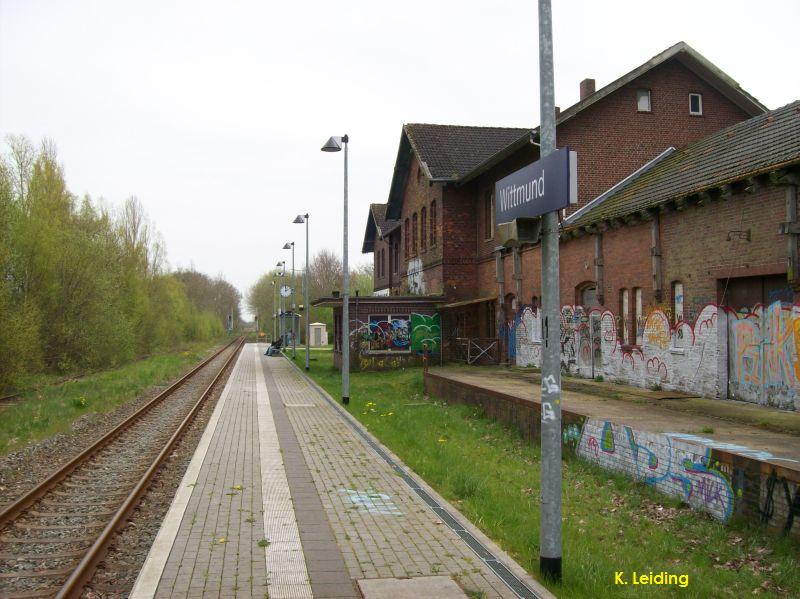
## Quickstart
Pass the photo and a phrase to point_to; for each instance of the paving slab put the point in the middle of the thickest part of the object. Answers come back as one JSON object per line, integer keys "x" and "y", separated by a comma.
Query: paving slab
{"x": 440, "y": 587}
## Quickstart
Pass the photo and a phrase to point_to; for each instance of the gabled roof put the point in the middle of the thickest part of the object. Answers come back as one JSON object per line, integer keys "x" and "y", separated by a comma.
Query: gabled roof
{"x": 451, "y": 151}
{"x": 457, "y": 154}
{"x": 447, "y": 153}
{"x": 378, "y": 227}
{"x": 753, "y": 147}
{"x": 683, "y": 53}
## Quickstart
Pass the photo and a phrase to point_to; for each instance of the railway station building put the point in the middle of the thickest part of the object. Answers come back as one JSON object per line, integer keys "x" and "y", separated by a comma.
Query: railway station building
{"x": 687, "y": 199}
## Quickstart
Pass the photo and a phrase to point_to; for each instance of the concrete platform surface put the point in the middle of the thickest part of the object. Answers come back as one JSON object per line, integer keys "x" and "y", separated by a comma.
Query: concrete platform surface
{"x": 440, "y": 587}
{"x": 644, "y": 410}
{"x": 288, "y": 496}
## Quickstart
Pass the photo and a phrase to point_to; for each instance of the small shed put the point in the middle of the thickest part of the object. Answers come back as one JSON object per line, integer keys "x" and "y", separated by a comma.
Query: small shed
{"x": 386, "y": 331}
{"x": 318, "y": 332}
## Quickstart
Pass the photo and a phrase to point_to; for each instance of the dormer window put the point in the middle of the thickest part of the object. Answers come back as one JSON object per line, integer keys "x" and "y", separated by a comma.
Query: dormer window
{"x": 696, "y": 104}
{"x": 643, "y": 100}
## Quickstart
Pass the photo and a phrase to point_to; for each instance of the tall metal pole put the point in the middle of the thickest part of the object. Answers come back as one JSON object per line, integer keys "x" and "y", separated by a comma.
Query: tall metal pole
{"x": 274, "y": 311}
{"x": 550, "y": 518}
{"x": 307, "y": 305}
{"x": 294, "y": 307}
{"x": 346, "y": 296}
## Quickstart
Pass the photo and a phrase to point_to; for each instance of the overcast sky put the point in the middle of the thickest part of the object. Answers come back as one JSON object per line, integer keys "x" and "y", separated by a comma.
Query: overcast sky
{"x": 213, "y": 113}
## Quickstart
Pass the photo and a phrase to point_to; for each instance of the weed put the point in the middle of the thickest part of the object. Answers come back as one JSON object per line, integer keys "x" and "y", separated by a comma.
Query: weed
{"x": 263, "y": 543}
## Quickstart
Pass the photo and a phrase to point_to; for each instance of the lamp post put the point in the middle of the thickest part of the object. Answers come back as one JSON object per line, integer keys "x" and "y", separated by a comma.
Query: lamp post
{"x": 290, "y": 245}
{"x": 274, "y": 310}
{"x": 300, "y": 219}
{"x": 282, "y": 266}
{"x": 334, "y": 144}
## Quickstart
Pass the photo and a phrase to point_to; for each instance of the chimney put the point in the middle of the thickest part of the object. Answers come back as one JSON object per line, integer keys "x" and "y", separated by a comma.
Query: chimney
{"x": 587, "y": 88}
{"x": 558, "y": 111}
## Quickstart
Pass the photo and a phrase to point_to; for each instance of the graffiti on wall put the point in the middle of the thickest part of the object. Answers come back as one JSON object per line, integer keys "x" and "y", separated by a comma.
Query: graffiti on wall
{"x": 414, "y": 280}
{"x": 764, "y": 355}
{"x": 385, "y": 333}
{"x": 426, "y": 331}
{"x": 672, "y": 466}
{"x": 681, "y": 356}
{"x": 381, "y": 333}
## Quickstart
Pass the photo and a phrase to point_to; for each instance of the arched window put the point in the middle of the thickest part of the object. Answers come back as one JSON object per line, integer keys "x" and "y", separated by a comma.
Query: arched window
{"x": 433, "y": 223}
{"x": 586, "y": 294}
{"x": 414, "y": 233}
{"x": 423, "y": 231}
{"x": 406, "y": 233}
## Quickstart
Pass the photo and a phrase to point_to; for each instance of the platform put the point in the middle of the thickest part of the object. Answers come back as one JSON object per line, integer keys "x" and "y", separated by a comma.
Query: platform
{"x": 288, "y": 496}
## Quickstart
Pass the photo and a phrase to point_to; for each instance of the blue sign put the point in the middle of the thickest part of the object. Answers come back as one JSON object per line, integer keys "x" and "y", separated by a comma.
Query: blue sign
{"x": 546, "y": 185}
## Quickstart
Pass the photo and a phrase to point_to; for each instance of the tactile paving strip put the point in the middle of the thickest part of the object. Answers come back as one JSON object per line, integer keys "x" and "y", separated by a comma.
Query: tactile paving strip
{"x": 286, "y": 565}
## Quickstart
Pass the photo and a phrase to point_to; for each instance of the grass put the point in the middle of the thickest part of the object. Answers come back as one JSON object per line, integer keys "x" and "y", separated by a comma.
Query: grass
{"x": 52, "y": 408}
{"x": 610, "y": 523}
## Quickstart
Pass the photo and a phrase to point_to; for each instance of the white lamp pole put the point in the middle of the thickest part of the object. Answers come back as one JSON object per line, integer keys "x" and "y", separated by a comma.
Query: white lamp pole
{"x": 301, "y": 218}
{"x": 334, "y": 144}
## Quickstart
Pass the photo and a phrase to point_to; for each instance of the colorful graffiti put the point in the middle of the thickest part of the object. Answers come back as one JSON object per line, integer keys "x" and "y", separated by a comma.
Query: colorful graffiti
{"x": 764, "y": 350}
{"x": 425, "y": 331}
{"x": 681, "y": 357}
{"x": 382, "y": 333}
{"x": 672, "y": 466}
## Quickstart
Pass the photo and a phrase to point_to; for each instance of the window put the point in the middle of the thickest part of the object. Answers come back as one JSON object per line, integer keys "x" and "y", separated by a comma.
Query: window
{"x": 406, "y": 233}
{"x": 643, "y": 100}
{"x": 677, "y": 305}
{"x": 587, "y": 295}
{"x": 624, "y": 315}
{"x": 414, "y": 233}
{"x": 419, "y": 173}
{"x": 639, "y": 324}
{"x": 383, "y": 263}
{"x": 396, "y": 256}
{"x": 488, "y": 215}
{"x": 677, "y": 301}
{"x": 696, "y": 104}
{"x": 423, "y": 231}
{"x": 433, "y": 223}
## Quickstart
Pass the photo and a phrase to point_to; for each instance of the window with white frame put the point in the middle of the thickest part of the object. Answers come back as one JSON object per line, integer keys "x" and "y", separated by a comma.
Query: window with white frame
{"x": 696, "y": 104}
{"x": 643, "y": 100}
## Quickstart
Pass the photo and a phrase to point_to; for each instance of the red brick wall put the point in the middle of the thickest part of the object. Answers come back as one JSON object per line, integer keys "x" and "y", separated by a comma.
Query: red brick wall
{"x": 459, "y": 222}
{"x": 697, "y": 251}
{"x": 418, "y": 193}
{"x": 613, "y": 139}
{"x": 381, "y": 282}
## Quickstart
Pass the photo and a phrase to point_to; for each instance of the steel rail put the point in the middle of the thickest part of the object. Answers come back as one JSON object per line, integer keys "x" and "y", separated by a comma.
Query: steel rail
{"x": 94, "y": 555}
{"x": 15, "y": 508}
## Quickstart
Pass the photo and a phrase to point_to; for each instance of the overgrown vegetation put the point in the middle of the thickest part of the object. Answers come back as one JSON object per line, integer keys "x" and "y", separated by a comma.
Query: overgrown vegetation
{"x": 325, "y": 277}
{"x": 84, "y": 286}
{"x": 610, "y": 522}
{"x": 51, "y": 407}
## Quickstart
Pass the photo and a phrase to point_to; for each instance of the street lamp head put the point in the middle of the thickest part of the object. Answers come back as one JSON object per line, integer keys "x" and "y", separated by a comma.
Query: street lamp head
{"x": 334, "y": 144}
{"x": 288, "y": 245}
{"x": 300, "y": 219}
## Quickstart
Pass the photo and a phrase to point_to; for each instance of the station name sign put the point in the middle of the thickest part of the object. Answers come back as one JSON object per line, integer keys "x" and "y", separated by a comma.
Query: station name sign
{"x": 546, "y": 185}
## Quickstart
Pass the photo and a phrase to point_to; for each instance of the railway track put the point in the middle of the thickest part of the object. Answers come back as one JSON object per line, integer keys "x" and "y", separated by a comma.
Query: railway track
{"x": 53, "y": 537}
